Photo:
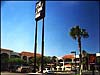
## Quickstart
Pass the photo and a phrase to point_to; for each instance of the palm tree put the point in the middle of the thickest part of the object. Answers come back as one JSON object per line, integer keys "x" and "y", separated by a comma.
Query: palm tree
{"x": 77, "y": 33}
{"x": 85, "y": 59}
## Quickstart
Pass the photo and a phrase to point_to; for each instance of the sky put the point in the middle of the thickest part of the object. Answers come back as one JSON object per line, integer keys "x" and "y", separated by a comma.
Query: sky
{"x": 18, "y": 26}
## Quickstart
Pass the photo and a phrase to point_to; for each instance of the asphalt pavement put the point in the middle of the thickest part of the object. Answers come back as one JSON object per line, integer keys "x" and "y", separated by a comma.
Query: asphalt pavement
{"x": 84, "y": 73}
{"x": 8, "y": 73}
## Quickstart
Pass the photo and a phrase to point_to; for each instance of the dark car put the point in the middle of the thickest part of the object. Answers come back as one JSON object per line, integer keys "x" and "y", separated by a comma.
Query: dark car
{"x": 13, "y": 68}
{"x": 32, "y": 68}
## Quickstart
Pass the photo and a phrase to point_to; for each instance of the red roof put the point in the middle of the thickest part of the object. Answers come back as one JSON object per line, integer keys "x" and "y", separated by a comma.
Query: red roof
{"x": 3, "y": 49}
{"x": 29, "y": 54}
{"x": 68, "y": 56}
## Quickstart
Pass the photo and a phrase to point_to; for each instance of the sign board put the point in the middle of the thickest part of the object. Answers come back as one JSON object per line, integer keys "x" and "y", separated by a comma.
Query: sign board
{"x": 92, "y": 58}
{"x": 40, "y": 10}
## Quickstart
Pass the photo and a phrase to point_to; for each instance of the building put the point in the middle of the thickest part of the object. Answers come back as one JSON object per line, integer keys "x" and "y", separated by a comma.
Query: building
{"x": 70, "y": 62}
{"x": 6, "y": 54}
{"x": 67, "y": 62}
{"x": 28, "y": 56}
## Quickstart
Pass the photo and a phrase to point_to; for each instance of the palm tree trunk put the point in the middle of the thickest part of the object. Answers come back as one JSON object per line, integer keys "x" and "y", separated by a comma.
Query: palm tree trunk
{"x": 79, "y": 44}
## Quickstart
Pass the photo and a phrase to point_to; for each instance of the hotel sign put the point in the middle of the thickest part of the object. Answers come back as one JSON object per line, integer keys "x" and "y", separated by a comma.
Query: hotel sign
{"x": 40, "y": 10}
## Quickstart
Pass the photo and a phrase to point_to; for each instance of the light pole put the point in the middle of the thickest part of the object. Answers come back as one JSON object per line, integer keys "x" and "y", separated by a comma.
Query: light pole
{"x": 75, "y": 61}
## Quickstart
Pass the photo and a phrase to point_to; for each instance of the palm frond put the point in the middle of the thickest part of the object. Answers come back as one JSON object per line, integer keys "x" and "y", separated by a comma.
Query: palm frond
{"x": 84, "y": 33}
{"x": 72, "y": 33}
{"x": 76, "y": 32}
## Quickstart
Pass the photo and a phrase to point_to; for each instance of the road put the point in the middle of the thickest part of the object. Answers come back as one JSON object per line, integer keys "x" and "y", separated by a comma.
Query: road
{"x": 7, "y": 73}
{"x": 85, "y": 73}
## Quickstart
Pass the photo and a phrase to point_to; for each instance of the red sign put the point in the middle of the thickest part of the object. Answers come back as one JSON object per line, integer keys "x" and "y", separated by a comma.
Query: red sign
{"x": 92, "y": 58}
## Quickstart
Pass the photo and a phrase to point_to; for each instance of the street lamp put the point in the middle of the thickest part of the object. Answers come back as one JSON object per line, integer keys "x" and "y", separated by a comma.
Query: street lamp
{"x": 75, "y": 60}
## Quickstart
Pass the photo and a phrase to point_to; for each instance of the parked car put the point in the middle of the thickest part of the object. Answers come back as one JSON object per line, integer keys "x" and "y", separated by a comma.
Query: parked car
{"x": 68, "y": 68}
{"x": 32, "y": 68}
{"x": 46, "y": 70}
{"x": 23, "y": 69}
{"x": 13, "y": 68}
{"x": 73, "y": 69}
{"x": 50, "y": 72}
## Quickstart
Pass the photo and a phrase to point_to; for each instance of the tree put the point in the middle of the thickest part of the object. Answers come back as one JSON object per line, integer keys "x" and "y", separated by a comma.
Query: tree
{"x": 98, "y": 60}
{"x": 38, "y": 61}
{"x": 77, "y": 33}
{"x": 47, "y": 60}
{"x": 54, "y": 61}
{"x": 14, "y": 61}
{"x": 85, "y": 59}
{"x": 4, "y": 61}
{"x": 98, "y": 63}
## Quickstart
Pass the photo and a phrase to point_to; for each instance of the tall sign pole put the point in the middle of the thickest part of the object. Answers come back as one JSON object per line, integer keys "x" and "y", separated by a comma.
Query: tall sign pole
{"x": 42, "y": 64}
{"x": 40, "y": 14}
{"x": 35, "y": 48}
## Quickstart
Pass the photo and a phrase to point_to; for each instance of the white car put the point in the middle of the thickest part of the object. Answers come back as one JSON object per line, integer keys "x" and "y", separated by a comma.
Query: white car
{"x": 68, "y": 68}
{"x": 46, "y": 70}
{"x": 50, "y": 72}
